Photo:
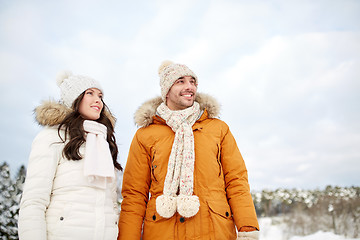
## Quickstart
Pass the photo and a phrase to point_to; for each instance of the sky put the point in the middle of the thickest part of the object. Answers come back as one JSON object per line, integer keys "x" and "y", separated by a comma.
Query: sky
{"x": 286, "y": 73}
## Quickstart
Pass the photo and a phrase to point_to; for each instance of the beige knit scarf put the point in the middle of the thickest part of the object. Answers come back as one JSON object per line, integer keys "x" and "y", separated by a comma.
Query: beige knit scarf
{"x": 180, "y": 172}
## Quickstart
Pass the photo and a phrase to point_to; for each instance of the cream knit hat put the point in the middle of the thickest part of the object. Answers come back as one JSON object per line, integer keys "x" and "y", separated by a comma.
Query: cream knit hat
{"x": 169, "y": 72}
{"x": 72, "y": 86}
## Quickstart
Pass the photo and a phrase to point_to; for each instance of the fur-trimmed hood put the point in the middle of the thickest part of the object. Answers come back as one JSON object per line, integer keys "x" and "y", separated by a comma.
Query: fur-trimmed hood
{"x": 51, "y": 113}
{"x": 144, "y": 114}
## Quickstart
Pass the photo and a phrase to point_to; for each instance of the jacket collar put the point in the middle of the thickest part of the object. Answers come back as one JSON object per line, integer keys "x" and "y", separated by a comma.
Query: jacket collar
{"x": 144, "y": 115}
{"x": 51, "y": 113}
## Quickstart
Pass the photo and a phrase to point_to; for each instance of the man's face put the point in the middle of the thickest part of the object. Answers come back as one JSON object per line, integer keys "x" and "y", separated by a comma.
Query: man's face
{"x": 182, "y": 93}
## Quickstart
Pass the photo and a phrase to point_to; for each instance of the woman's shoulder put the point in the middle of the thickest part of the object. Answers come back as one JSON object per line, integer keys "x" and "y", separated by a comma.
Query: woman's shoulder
{"x": 49, "y": 134}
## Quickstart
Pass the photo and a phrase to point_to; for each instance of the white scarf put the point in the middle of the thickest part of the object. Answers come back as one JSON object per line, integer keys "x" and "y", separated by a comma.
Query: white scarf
{"x": 180, "y": 172}
{"x": 98, "y": 162}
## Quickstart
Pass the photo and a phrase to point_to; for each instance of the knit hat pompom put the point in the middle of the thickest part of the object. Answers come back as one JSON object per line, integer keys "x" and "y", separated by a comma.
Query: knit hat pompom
{"x": 169, "y": 72}
{"x": 61, "y": 76}
{"x": 163, "y": 65}
{"x": 71, "y": 86}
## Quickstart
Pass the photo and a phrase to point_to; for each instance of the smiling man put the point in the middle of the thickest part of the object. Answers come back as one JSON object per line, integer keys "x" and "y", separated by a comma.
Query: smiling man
{"x": 182, "y": 93}
{"x": 185, "y": 177}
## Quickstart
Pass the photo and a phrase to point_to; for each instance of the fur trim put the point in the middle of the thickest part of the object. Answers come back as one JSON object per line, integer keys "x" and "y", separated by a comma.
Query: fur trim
{"x": 111, "y": 117}
{"x": 51, "y": 113}
{"x": 210, "y": 103}
{"x": 254, "y": 235}
{"x": 143, "y": 116}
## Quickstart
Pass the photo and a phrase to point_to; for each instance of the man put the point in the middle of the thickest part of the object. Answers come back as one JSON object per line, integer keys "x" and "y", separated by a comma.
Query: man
{"x": 188, "y": 162}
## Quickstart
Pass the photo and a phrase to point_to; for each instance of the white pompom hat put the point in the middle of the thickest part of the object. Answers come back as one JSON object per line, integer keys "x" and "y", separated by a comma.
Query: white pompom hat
{"x": 169, "y": 72}
{"x": 71, "y": 86}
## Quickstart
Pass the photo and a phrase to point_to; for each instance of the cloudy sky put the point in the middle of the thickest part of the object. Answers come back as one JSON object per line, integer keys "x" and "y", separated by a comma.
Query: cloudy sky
{"x": 287, "y": 74}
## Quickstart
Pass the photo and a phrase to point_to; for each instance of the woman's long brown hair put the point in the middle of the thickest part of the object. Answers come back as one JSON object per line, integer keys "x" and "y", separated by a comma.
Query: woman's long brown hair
{"x": 73, "y": 124}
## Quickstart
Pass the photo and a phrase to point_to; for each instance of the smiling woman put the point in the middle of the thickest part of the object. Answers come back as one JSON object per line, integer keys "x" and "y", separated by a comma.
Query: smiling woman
{"x": 70, "y": 188}
{"x": 91, "y": 104}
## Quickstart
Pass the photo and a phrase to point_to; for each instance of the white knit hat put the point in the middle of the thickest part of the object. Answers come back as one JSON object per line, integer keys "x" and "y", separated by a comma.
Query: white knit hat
{"x": 72, "y": 86}
{"x": 169, "y": 72}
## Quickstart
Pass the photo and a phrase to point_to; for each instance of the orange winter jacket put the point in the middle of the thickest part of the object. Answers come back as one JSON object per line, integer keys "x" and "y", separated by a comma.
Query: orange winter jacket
{"x": 220, "y": 180}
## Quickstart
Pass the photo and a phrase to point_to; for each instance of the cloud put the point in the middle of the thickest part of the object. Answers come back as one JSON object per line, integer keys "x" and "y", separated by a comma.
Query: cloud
{"x": 288, "y": 107}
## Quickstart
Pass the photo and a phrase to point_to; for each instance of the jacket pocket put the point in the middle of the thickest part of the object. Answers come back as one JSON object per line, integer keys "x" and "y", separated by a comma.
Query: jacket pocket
{"x": 220, "y": 208}
{"x": 151, "y": 214}
{"x": 157, "y": 227}
{"x": 56, "y": 218}
{"x": 222, "y": 224}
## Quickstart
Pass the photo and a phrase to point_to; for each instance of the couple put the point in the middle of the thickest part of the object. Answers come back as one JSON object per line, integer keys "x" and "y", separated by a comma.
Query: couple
{"x": 184, "y": 178}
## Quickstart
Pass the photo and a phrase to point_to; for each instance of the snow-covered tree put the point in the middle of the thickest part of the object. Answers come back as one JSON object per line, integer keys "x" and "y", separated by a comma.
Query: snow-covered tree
{"x": 8, "y": 227}
{"x": 335, "y": 209}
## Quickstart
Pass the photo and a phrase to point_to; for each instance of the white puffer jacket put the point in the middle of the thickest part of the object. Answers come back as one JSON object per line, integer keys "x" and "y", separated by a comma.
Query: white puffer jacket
{"x": 58, "y": 202}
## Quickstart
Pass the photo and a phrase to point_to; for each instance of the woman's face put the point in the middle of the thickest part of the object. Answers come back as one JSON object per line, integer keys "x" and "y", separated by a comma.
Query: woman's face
{"x": 91, "y": 105}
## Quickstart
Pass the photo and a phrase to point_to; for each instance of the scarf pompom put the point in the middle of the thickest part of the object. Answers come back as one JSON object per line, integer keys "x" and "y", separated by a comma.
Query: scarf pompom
{"x": 188, "y": 206}
{"x": 166, "y": 206}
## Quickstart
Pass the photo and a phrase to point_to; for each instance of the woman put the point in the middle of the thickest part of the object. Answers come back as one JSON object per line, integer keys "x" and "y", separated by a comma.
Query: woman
{"x": 70, "y": 187}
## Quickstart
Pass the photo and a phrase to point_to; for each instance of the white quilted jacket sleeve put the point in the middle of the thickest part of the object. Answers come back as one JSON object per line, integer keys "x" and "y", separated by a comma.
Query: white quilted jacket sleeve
{"x": 41, "y": 170}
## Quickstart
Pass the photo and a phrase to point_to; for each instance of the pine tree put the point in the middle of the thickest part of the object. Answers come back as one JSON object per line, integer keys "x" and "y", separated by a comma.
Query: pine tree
{"x": 19, "y": 182}
{"x": 18, "y": 185}
{"x": 8, "y": 227}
